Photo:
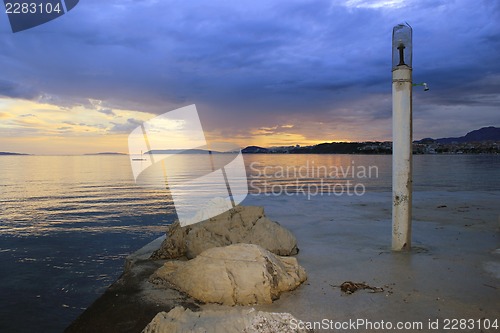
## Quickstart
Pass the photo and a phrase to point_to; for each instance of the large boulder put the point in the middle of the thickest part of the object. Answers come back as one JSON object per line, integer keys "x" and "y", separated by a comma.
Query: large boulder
{"x": 180, "y": 320}
{"x": 236, "y": 274}
{"x": 242, "y": 224}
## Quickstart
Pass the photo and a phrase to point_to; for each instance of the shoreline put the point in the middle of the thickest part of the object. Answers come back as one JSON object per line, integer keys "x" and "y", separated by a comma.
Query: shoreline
{"x": 453, "y": 270}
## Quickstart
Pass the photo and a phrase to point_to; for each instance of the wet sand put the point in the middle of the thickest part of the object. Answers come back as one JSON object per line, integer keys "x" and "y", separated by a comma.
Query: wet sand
{"x": 453, "y": 270}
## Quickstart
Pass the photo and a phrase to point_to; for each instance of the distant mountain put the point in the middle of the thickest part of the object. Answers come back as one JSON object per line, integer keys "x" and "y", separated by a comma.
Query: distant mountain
{"x": 3, "y": 153}
{"x": 490, "y": 133}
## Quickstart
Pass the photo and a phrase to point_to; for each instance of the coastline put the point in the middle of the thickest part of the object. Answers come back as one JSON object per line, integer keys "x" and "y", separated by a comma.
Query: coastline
{"x": 453, "y": 270}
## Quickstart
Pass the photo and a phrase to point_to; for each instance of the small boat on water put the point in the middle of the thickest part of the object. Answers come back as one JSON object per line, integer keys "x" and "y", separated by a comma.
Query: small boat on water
{"x": 139, "y": 159}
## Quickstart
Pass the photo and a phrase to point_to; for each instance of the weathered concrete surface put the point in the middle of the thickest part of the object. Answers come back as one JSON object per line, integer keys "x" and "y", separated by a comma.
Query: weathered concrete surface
{"x": 143, "y": 253}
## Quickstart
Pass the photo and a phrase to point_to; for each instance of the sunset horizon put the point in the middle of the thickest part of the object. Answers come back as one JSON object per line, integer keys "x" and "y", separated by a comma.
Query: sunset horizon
{"x": 86, "y": 129}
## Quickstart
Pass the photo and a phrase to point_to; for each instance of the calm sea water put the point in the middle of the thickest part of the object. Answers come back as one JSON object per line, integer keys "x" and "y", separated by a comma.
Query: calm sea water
{"x": 67, "y": 222}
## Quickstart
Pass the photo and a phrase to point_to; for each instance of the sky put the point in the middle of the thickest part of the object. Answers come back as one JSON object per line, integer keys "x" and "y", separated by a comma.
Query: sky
{"x": 267, "y": 73}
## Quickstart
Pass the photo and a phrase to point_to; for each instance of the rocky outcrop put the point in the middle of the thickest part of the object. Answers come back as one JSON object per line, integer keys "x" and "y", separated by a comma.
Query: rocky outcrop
{"x": 237, "y": 274}
{"x": 242, "y": 224}
{"x": 180, "y": 320}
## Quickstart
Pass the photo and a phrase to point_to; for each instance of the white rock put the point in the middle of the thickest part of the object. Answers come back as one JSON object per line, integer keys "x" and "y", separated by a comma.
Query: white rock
{"x": 236, "y": 274}
{"x": 242, "y": 224}
{"x": 180, "y": 320}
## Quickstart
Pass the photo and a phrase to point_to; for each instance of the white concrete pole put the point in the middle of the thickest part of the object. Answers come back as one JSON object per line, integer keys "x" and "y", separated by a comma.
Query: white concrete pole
{"x": 401, "y": 137}
{"x": 401, "y": 157}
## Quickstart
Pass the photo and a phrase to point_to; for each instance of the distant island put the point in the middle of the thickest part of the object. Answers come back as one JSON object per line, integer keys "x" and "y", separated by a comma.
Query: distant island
{"x": 482, "y": 141}
{"x": 105, "y": 153}
{"x": 179, "y": 151}
{"x": 188, "y": 151}
{"x": 4, "y": 153}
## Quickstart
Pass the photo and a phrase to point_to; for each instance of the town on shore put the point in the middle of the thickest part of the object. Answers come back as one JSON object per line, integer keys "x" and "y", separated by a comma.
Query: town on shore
{"x": 483, "y": 141}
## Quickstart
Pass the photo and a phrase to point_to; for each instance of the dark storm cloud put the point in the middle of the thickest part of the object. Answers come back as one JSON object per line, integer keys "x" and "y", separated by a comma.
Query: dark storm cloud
{"x": 247, "y": 62}
{"x": 16, "y": 90}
